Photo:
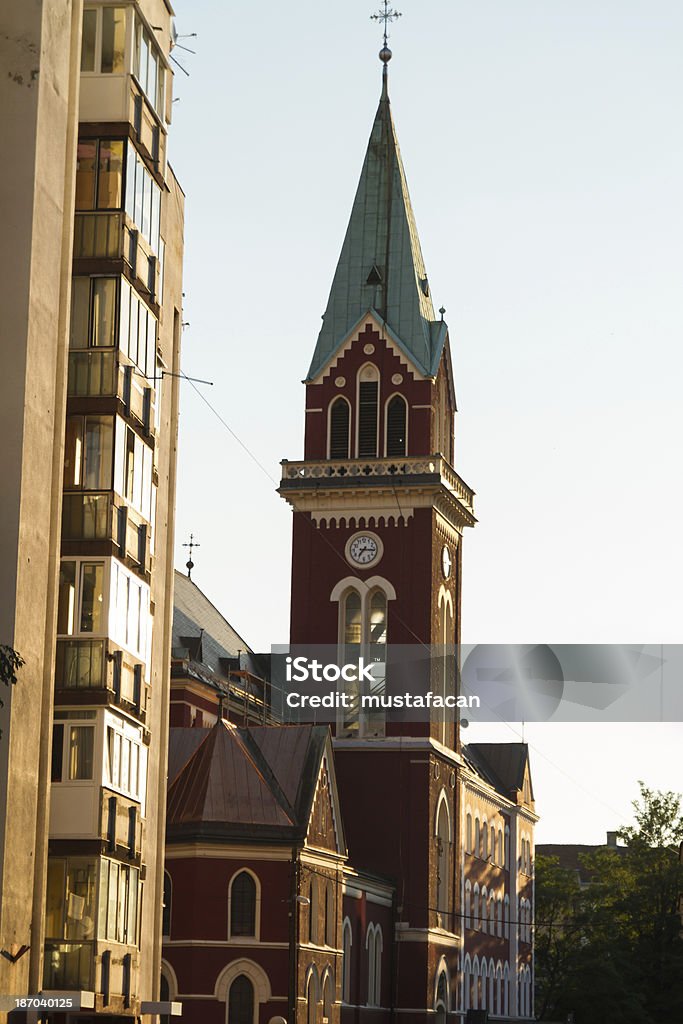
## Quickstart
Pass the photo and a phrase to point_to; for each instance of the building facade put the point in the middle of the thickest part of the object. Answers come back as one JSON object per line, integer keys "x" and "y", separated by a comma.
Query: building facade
{"x": 96, "y": 699}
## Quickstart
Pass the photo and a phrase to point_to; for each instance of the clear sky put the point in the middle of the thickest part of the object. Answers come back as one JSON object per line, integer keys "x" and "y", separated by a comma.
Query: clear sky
{"x": 543, "y": 147}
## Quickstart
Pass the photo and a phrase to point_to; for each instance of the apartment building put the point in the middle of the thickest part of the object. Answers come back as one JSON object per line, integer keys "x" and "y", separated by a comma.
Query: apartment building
{"x": 89, "y": 414}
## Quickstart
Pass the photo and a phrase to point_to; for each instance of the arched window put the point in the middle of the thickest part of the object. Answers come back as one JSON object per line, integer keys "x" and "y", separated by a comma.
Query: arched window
{"x": 468, "y": 833}
{"x": 313, "y": 911}
{"x": 506, "y": 917}
{"x": 353, "y": 623}
{"x": 339, "y": 429}
{"x": 328, "y": 996}
{"x": 499, "y": 904}
{"x": 493, "y": 844}
{"x": 368, "y": 396}
{"x": 241, "y": 1001}
{"x": 441, "y": 1004}
{"x": 443, "y": 841}
{"x": 312, "y": 997}
{"x": 501, "y": 852}
{"x": 243, "y": 905}
{"x": 492, "y": 914}
{"x": 477, "y": 920}
{"x": 506, "y": 990}
{"x": 168, "y": 903}
{"x": 484, "y": 976}
{"x": 484, "y": 909}
{"x": 347, "y": 942}
{"x": 476, "y": 984}
{"x": 492, "y": 978}
{"x": 373, "y": 944}
{"x": 467, "y": 985}
{"x": 499, "y": 989}
{"x": 329, "y": 915}
{"x": 484, "y": 840}
{"x": 506, "y": 862}
{"x": 397, "y": 424}
{"x": 477, "y": 837}
{"x": 468, "y": 904}
{"x": 378, "y": 617}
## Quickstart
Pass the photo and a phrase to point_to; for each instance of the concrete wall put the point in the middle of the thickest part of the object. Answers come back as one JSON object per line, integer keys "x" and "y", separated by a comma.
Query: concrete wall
{"x": 39, "y": 57}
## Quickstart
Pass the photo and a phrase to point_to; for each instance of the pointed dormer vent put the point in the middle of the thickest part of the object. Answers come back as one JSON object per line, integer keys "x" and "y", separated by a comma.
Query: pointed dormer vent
{"x": 375, "y": 276}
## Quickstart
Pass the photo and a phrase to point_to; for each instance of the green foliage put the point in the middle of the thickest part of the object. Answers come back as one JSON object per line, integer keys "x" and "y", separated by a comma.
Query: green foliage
{"x": 609, "y": 948}
{"x": 10, "y": 663}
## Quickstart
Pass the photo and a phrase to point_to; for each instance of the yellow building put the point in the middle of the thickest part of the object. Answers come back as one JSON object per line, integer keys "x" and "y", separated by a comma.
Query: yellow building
{"x": 91, "y": 293}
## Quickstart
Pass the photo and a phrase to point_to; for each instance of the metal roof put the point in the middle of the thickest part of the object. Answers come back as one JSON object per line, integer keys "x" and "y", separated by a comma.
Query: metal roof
{"x": 381, "y": 269}
{"x": 256, "y": 782}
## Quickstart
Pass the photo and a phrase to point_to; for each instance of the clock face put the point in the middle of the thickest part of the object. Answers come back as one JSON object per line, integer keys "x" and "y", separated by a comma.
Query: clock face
{"x": 363, "y": 549}
{"x": 446, "y": 561}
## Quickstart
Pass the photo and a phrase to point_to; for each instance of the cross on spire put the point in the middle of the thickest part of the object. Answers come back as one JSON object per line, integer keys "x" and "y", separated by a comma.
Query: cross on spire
{"x": 192, "y": 544}
{"x": 387, "y": 15}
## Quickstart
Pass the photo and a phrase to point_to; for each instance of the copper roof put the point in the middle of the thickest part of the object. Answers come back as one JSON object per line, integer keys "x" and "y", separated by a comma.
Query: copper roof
{"x": 254, "y": 782}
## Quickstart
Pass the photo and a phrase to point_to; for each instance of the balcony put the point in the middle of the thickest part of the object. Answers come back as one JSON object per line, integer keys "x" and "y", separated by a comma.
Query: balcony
{"x": 95, "y": 516}
{"x": 68, "y": 966}
{"x": 81, "y": 665}
{"x": 97, "y": 373}
{"x": 345, "y": 473}
{"x": 101, "y": 235}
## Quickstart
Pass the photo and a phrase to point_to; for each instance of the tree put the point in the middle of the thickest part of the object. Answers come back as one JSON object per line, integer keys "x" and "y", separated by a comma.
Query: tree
{"x": 608, "y": 943}
{"x": 10, "y": 663}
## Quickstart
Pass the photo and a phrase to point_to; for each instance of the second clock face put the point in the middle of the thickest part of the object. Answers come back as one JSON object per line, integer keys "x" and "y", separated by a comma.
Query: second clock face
{"x": 446, "y": 561}
{"x": 363, "y": 549}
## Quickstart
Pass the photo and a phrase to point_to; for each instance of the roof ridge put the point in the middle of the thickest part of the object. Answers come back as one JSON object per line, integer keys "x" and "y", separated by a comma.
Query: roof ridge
{"x": 252, "y": 748}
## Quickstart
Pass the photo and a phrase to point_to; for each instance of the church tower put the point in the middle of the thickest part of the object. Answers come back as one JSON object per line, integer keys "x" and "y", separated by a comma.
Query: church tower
{"x": 379, "y": 516}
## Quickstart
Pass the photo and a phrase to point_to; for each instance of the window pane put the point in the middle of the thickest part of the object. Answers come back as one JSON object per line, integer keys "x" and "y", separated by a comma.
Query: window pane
{"x": 57, "y": 755}
{"x": 110, "y": 174}
{"x": 104, "y": 311}
{"x": 85, "y": 175}
{"x": 131, "y": 164}
{"x": 140, "y": 176}
{"x": 98, "y": 453}
{"x": 133, "y": 892}
{"x": 66, "y": 611}
{"x": 80, "y": 906}
{"x": 352, "y": 623}
{"x": 88, "y": 42}
{"x": 124, "y": 316}
{"x": 92, "y": 598}
{"x": 104, "y": 889}
{"x": 81, "y": 745}
{"x": 144, "y": 59}
{"x": 152, "y": 78}
{"x": 113, "y": 39}
{"x": 146, "y": 205}
{"x": 54, "y": 918}
{"x": 112, "y": 899}
{"x": 73, "y": 452}
{"x": 80, "y": 311}
{"x": 243, "y": 905}
{"x": 378, "y": 618}
{"x": 156, "y": 217}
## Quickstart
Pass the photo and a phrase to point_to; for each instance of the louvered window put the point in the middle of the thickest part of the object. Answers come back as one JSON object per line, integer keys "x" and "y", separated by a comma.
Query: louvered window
{"x": 367, "y": 418}
{"x": 339, "y": 430}
{"x": 243, "y": 905}
{"x": 396, "y": 426}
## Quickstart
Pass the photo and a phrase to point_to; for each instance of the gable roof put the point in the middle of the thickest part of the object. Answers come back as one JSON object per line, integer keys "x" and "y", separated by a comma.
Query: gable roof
{"x": 381, "y": 269}
{"x": 257, "y": 783}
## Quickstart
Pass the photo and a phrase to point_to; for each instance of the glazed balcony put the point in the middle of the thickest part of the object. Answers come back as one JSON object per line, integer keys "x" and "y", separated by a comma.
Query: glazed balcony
{"x": 68, "y": 966}
{"x": 96, "y": 516}
{"x": 103, "y": 235}
{"x": 86, "y": 665}
{"x": 98, "y": 373}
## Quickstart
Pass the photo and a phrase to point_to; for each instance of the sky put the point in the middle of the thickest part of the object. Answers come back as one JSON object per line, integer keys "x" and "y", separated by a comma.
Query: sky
{"x": 543, "y": 149}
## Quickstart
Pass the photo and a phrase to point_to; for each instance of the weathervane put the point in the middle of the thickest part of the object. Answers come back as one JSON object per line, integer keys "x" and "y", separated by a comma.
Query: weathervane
{"x": 386, "y": 16}
{"x": 189, "y": 563}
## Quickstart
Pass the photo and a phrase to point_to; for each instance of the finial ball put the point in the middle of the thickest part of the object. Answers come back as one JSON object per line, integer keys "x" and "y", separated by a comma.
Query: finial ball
{"x": 385, "y": 55}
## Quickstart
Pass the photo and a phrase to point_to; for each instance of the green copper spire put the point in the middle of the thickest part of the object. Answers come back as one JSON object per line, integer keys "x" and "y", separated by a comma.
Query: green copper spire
{"x": 381, "y": 269}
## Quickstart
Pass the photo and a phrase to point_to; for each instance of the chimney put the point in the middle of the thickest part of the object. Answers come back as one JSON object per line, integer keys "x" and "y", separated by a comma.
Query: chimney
{"x": 611, "y": 839}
